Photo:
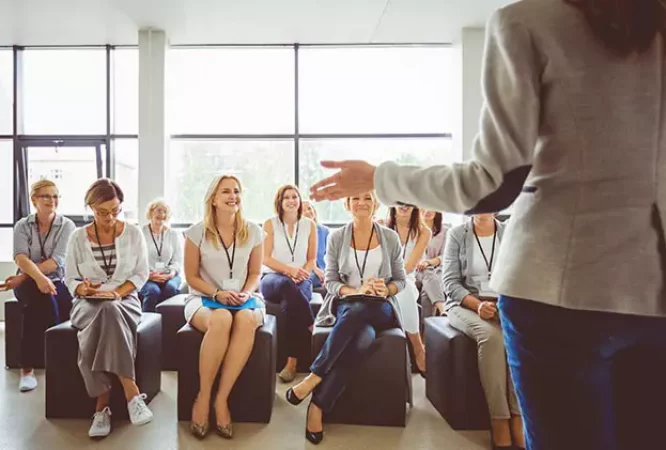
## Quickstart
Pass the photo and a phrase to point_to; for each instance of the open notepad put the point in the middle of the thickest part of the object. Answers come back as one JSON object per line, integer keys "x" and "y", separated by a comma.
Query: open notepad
{"x": 362, "y": 298}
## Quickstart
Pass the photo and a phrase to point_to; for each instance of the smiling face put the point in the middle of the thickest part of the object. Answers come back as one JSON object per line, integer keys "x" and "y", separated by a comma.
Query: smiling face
{"x": 291, "y": 201}
{"x": 228, "y": 196}
{"x": 404, "y": 211}
{"x": 46, "y": 200}
{"x": 362, "y": 206}
{"x": 309, "y": 211}
{"x": 428, "y": 215}
{"x": 159, "y": 215}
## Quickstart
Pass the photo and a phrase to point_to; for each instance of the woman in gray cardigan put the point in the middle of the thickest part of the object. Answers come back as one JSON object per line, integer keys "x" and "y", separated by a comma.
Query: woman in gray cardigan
{"x": 361, "y": 258}
{"x": 469, "y": 258}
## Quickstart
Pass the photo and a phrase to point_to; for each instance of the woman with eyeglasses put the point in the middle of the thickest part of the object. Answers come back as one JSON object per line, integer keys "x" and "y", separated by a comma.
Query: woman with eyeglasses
{"x": 289, "y": 257}
{"x": 106, "y": 266}
{"x": 40, "y": 246}
{"x": 165, "y": 256}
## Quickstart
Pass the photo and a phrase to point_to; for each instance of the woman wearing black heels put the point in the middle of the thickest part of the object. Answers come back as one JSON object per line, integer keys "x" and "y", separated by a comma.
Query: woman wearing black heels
{"x": 361, "y": 258}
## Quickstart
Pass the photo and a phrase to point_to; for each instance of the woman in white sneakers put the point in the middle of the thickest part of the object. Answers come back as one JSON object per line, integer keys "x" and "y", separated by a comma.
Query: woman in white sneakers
{"x": 106, "y": 266}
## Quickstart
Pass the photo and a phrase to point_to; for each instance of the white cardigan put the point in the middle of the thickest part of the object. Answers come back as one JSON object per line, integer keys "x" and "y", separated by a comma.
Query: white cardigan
{"x": 131, "y": 261}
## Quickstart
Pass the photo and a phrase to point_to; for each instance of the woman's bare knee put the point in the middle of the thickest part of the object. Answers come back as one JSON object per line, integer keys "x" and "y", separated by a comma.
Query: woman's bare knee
{"x": 245, "y": 320}
{"x": 219, "y": 320}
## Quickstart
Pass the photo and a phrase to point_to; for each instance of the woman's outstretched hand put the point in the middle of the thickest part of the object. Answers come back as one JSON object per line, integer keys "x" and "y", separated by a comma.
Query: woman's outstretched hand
{"x": 353, "y": 178}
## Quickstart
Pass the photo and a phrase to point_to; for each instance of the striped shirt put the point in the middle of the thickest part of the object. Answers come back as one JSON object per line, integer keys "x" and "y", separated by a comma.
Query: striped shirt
{"x": 105, "y": 251}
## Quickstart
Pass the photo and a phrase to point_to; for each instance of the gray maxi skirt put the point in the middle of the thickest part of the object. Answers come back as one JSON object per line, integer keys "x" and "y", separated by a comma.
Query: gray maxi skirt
{"x": 107, "y": 334}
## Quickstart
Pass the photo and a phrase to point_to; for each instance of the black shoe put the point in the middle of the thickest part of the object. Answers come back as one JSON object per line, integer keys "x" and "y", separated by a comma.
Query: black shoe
{"x": 311, "y": 436}
{"x": 292, "y": 398}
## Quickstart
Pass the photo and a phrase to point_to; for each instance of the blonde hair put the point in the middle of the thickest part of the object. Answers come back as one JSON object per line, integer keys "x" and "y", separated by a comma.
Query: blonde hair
{"x": 242, "y": 229}
{"x": 152, "y": 206}
{"x": 316, "y": 214}
{"x": 37, "y": 186}
{"x": 375, "y": 202}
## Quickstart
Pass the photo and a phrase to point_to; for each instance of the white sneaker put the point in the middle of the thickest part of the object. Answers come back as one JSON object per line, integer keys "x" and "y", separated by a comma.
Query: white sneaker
{"x": 101, "y": 425}
{"x": 138, "y": 410}
{"x": 28, "y": 382}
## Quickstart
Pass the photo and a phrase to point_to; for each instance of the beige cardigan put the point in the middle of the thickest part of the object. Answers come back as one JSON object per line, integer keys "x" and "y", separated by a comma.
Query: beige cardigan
{"x": 582, "y": 133}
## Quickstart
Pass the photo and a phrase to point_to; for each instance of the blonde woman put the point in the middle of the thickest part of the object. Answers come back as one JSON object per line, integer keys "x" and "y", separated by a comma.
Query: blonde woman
{"x": 106, "y": 266}
{"x": 317, "y": 276}
{"x": 223, "y": 258}
{"x": 40, "y": 246}
{"x": 165, "y": 256}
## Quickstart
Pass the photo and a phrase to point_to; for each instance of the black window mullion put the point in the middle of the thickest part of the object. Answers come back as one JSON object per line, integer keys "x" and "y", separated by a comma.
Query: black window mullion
{"x": 297, "y": 140}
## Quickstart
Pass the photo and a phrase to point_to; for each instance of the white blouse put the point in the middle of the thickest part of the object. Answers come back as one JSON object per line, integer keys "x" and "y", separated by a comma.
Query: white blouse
{"x": 299, "y": 242}
{"x": 170, "y": 244}
{"x": 131, "y": 261}
{"x": 372, "y": 265}
{"x": 214, "y": 265}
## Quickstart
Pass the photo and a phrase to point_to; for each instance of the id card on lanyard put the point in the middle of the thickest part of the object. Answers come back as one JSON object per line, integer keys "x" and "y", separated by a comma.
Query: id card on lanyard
{"x": 230, "y": 284}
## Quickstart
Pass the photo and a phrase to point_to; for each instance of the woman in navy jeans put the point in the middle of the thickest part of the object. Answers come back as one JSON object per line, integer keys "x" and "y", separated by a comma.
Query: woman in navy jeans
{"x": 573, "y": 129}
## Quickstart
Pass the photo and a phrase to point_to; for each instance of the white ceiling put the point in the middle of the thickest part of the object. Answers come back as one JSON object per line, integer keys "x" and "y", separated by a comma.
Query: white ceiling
{"x": 79, "y": 22}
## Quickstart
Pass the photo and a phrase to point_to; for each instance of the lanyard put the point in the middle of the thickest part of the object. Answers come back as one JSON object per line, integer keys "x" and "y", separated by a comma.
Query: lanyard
{"x": 489, "y": 264}
{"x": 404, "y": 246}
{"x": 107, "y": 266}
{"x": 159, "y": 249}
{"x": 46, "y": 238}
{"x": 292, "y": 250}
{"x": 232, "y": 258}
{"x": 361, "y": 269}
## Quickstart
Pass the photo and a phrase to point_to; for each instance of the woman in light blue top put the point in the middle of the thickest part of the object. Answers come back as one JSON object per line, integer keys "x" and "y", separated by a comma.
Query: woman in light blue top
{"x": 165, "y": 256}
{"x": 317, "y": 276}
{"x": 40, "y": 246}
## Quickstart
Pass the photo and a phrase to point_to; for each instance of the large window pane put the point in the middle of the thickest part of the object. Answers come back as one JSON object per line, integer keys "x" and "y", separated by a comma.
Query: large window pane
{"x": 6, "y": 182}
{"x": 230, "y": 91}
{"x": 376, "y": 90}
{"x": 125, "y": 91}
{"x": 6, "y": 245}
{"x": 73, "y": 169}
{"x": 64, "y": 91}
{"x": 422, "y": 151}
{"x": 127, "y": 176}
{"x": 261, "y": 165}
{"x": 6, "y": 91}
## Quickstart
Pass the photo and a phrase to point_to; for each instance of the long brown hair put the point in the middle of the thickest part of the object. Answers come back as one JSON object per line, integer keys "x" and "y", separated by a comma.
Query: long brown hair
{"x": 415, "y": 222}
{"x": 625, "y": 26}
{"x": 241, "y": 225}
{"x": 279, "y": 198}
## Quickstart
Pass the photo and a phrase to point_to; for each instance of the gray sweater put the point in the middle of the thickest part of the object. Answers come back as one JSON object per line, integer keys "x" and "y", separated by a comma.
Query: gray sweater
{"x": 339, "y": 268}
{"x": 458, "y": 252}
{"x": 577, "y": 137}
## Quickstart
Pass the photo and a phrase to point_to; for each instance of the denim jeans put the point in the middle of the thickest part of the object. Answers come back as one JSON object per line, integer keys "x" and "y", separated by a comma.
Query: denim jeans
{"x": 40, "y": 312}
{"x": 152, "y": 294}
{"x": 349, "y": 342}
{"x": 586, "y": 380}
{"x": 294, "y": 300}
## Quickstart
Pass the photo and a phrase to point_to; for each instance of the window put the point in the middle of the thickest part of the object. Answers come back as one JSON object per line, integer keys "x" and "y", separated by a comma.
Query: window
{"x": 231, "y": 91}
{"x": 6, "y": 246}
{"x": 127, "y": 176}
{"x": 6, "y": 91}
{"x": 125, "y": 86}
{"x": 6, "y": 182}
{"x": 376, "y": 90}
{"x": 413, "y": 151}
{"x": 261, "y": 165}
{"x": 64, "y": 91}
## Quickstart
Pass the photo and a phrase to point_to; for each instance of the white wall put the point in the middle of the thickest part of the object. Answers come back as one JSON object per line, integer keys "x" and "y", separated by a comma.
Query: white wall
{"x": 6, "y": 269}
{"x": 472, "y": 57}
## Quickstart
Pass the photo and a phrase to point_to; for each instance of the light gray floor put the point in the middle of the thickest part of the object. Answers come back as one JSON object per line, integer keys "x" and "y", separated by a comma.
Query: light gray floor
{"x": 23, "y": 426}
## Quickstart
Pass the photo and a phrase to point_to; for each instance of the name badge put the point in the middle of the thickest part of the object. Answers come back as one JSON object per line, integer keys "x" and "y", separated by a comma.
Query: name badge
{"x": 160, "y": 266}
{"x": 231, "y": 285}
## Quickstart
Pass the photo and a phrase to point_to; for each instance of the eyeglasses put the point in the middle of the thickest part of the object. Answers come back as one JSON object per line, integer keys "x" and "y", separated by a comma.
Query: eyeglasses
{"x": 47, "y": 197}
{"x": 113, "y": 213}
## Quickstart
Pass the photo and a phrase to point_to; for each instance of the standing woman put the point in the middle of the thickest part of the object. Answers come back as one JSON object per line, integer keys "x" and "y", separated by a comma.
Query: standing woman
{"x": 573, "y": 129}
{"x": 289, "y": 256}
{"x": 429, "y": 271}
{"x": 40, "y": 246}
{"x": 414, "y": 237}
{"x": 106, "y": 266}
{"x": 317, "y": 276}
{"x": 165, "y": 256}
{"x": 223, "y": 257}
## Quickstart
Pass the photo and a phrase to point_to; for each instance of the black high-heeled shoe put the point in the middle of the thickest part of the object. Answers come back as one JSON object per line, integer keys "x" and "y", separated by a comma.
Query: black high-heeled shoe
{"x": 313, "y": 437}
{"x": 293, "y": 398}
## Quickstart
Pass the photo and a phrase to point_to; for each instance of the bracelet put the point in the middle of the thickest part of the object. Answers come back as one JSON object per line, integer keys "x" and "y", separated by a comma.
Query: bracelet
{"x": 478, "y": 310}
{"x": 217, "y": 291}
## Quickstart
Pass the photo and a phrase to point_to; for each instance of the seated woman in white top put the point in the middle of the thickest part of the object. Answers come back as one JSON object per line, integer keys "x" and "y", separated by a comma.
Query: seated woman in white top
{"x": 414, "y": 237}
{"x": 223, "y": 257}
{"x": 165, "y": 256}
{"x": 429, "y": 270}
{"x": 289, "y": 256}
{"x": 105, "y": 267}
